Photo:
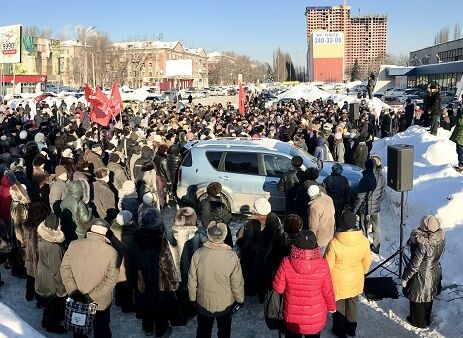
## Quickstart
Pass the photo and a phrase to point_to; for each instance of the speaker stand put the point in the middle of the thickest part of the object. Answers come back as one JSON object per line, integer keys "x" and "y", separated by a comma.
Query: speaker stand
{"x": 400, "y": 251}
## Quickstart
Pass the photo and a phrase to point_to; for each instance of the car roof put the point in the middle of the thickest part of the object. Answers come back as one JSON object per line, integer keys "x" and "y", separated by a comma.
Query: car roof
{"x": 243, "y": 144}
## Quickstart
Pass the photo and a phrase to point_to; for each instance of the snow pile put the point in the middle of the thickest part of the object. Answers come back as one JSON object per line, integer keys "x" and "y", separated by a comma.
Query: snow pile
{"x": 438, "y": 190}
{"x": 306, "y": 91}
{"x": 13, "y": 326}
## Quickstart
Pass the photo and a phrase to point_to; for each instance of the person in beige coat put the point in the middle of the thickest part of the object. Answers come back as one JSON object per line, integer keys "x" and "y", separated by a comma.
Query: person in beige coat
{"x": 215, "y": 283}
{"x": 321, "y": 216}
{"x": 89, "y": 272}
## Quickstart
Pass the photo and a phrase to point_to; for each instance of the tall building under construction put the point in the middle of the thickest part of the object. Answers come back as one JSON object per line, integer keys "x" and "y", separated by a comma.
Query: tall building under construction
{"x": 364, "y": 41}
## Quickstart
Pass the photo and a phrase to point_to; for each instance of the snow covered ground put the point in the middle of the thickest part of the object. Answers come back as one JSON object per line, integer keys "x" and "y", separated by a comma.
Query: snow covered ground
{"x": 438, "y": 189}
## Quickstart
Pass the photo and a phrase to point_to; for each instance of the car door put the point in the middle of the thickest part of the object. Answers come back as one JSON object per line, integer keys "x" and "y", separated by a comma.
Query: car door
{"x": 275, "y": 167}
{"x": 241, "y": 174}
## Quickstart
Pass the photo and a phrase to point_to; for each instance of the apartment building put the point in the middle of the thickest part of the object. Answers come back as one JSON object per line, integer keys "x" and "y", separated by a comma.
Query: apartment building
{"x": 365, "y": 36}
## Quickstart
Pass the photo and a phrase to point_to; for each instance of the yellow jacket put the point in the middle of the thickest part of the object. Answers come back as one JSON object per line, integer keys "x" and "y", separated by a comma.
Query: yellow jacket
{"x": 349, "y": 258}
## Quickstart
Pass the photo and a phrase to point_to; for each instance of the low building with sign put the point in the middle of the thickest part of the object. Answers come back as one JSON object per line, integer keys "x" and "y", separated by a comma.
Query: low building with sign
{"x": 326, "y": 57}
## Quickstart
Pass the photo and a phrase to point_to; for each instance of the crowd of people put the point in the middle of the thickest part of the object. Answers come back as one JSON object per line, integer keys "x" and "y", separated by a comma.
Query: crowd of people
{"x": 81, "y": 214}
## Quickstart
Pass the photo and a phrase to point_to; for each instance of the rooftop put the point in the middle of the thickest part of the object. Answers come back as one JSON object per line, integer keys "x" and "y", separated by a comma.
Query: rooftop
{"x": 147, "y": 44}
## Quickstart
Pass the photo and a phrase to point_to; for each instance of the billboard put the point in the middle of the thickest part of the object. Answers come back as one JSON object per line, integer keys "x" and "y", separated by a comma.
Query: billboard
{"x": 10, "y": 44}
{"x": 179, "y": 68}
{"x": 326, "y": 56}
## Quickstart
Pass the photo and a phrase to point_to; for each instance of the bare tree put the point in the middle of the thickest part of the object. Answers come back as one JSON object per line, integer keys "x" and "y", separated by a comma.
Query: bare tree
{"x": 442, "y": 36}
{"x": 456, "y": 31}
{"x": 398, "y": 60}
{"x": 37, "y": 32}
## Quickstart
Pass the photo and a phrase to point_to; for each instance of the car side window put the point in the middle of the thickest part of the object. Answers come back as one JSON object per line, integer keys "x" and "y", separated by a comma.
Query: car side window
{"x": 242, "y": 163}
{"x": 275, "y": 165}
{"x": 214, "y": 158}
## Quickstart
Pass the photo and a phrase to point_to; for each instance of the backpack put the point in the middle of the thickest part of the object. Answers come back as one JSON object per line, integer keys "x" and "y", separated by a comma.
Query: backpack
{"x": 273, "y": 311}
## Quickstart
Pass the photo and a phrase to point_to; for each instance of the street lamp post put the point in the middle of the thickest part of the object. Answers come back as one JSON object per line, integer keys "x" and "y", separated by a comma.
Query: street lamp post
{"x": 86, "y": 54}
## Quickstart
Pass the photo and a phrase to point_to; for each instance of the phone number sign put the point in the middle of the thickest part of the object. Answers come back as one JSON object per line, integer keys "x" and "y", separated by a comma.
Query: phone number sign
{"x": 10, "y": 44}
{"x": 328, "y": 38}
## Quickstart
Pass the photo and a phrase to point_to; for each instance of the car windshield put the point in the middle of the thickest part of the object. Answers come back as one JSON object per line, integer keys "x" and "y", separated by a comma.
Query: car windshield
{"x": 309, "y": 160}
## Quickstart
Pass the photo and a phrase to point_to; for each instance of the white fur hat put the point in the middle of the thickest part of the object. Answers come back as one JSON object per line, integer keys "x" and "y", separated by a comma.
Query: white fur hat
{"x": 313, "y": 190}
{"x": 67, "y": 153}
{"x": 23, "y": 134}
{"x": 262, "y": 206}
{"x": 39, "y": 138}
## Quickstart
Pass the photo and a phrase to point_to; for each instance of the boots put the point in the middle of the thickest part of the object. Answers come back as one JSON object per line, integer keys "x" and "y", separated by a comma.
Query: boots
{"x": 30, "y": 288}
{"x": 339, "y": 325}
{"x": 351, "y": 328}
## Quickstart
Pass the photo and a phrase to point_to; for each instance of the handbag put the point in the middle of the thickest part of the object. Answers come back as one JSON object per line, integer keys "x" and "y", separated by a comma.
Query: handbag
{"x": 79, "y": 317}
{"x": 273, "y": 311}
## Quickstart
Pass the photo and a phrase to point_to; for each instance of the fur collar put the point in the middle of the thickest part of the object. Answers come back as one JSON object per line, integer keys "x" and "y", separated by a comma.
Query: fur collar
{"x": 50, "y": 235}
{"x": 427, "y": 238}
{"x": 216, "y": 246}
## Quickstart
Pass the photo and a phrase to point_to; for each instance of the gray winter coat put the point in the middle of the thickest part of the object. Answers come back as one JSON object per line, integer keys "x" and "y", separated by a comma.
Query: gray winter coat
{"x": 58, "y": 191}
{"x": 339, "y": 150}
{"x": 423, "y": 274}
{"x": 104, "y": 201}
{"x": 370, "y": 192}
{"x": 119, "y": 174}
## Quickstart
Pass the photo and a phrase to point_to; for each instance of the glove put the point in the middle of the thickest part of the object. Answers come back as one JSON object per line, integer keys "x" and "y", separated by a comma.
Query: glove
{"x": 236, "y": 308}
{"x": 77, "y": 296}
{"x": 404, "y": 283}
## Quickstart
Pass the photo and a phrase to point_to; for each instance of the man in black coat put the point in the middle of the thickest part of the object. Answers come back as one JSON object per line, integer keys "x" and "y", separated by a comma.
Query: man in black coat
{"x": 290, "y": 182}
{"x": 369, "y": 197}
{"x": 174, "y": 159}
{"x": 212, "y": 208}
{"x": 337, "y": 187}
{"x": 434, "y": 107}
{"x": 409, "y": 113}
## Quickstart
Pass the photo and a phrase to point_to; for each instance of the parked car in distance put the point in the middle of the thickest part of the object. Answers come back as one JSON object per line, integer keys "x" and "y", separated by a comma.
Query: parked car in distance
{"x": 417, "y": 100}
{"x": 446, "y": 97}
{"x": 247, "y": 169}
{"x": 394, "y": 92}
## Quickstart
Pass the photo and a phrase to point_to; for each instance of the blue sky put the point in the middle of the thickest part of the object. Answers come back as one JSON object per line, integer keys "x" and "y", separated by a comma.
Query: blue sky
{"x": 251, "y": 27}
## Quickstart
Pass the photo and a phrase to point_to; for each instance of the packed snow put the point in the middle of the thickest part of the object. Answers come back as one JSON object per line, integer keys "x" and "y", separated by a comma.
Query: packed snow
{"x": 306, "y": 91}
{"x": 438, "y": 189}
{"x": 11, "y": 325}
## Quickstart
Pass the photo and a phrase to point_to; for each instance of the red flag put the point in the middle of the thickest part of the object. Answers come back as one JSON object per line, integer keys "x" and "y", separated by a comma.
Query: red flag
{"x": 101, "y": 112}
{"x": 241, "y": 98}
{"x": 89, "y": 96}
{"x": 115, "y": 98}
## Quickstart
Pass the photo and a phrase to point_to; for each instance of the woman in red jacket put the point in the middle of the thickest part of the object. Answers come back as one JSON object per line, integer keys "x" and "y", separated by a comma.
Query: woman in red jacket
{"x": 304, "y": 279}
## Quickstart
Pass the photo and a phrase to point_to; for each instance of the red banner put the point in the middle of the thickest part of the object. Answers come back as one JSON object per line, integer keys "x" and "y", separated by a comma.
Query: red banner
{"x": 241, "y": 98}
{"x": 115, "y": 99}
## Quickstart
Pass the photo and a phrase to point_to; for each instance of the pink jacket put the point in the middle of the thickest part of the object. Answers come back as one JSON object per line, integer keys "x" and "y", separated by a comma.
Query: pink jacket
{"x": 304, "y": 279}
